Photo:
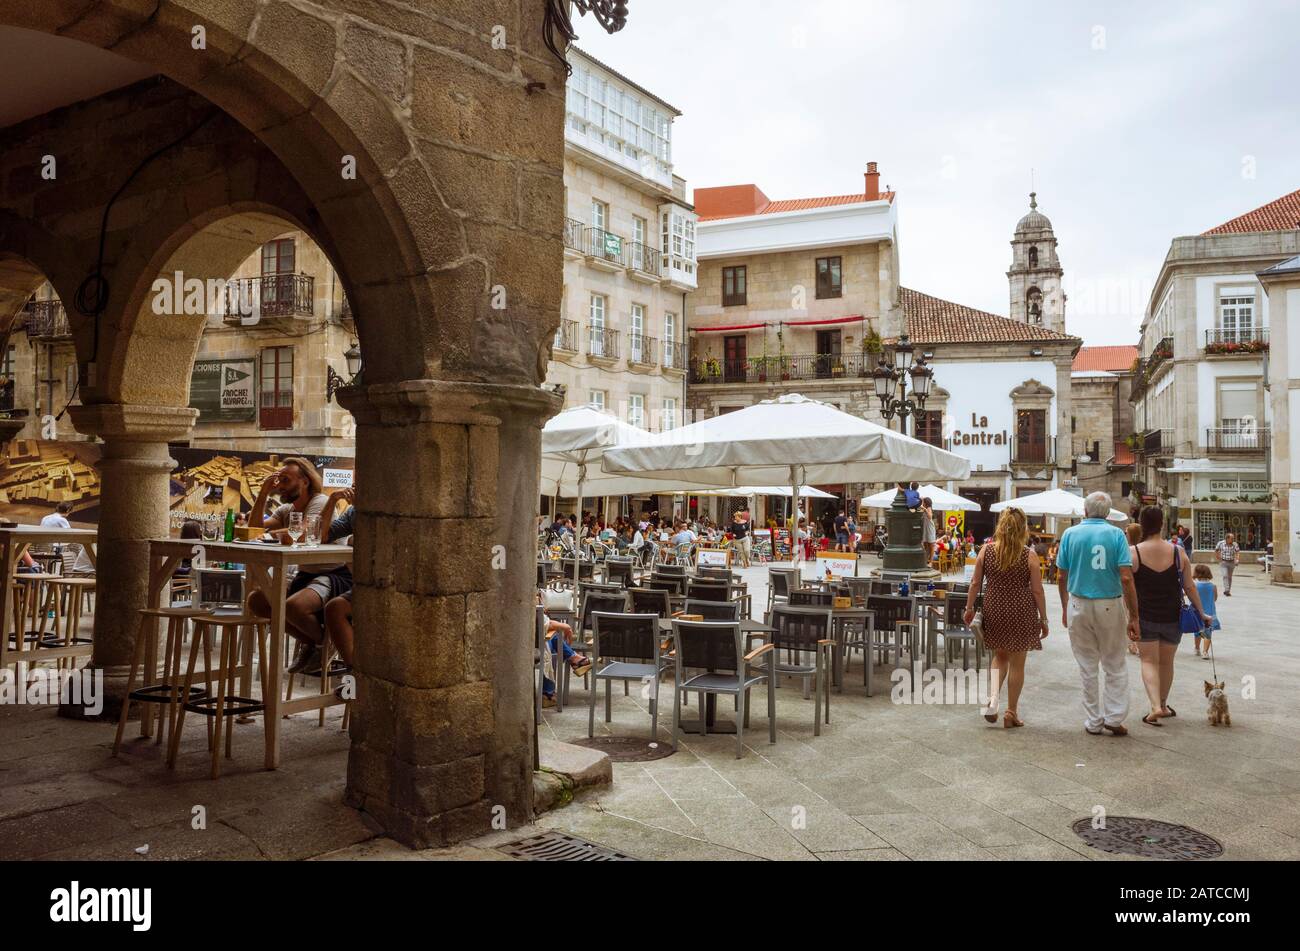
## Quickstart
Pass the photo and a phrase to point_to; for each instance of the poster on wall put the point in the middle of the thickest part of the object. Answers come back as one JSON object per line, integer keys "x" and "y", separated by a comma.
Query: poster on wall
{"x": 36, "y": 475}
{"x": 955, "y": 523}
{"x": 222, "y": 390}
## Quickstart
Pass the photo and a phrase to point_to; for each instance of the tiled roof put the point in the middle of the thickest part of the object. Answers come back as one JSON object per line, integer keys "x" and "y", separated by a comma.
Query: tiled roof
{"x": 1280, "y": 215}
{"x": 934, "y": 320}
{"x": 1111, "y": 359}
{"x": 802, "y": 204}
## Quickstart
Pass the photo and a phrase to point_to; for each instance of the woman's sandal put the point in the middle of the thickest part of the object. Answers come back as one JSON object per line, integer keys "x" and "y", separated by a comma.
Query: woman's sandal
{"x": 1149, "y": 720}
{"x": 991, "y": 713}
{"x": 1172, "y": 712}
{"x": 1009, "y": 720}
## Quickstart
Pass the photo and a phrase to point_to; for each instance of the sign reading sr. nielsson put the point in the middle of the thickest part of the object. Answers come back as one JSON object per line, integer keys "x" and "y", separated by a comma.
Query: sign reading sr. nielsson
{"x": 222, "y": 390}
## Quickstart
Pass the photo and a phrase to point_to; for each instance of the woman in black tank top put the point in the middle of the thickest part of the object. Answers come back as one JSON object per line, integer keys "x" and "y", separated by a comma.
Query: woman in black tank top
{"x": 1160, "y": 599}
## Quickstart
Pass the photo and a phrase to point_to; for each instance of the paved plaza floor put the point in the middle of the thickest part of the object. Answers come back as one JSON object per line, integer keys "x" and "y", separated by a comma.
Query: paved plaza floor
{"x": 884, "y": 781}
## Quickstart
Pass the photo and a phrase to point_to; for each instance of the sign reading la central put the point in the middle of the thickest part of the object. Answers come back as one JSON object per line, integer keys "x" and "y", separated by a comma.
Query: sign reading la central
{"x": 980, "y": 438}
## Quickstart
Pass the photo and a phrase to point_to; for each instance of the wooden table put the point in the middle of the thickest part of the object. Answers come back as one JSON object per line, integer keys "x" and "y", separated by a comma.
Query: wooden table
{"x": 13, "y": 542}
{"x": 266, "y": 570}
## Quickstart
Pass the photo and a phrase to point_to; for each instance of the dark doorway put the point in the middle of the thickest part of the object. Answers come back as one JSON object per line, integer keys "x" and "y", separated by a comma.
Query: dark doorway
{"x": 828, "y": 352}
{"x": 733, "y": 358}
{"x": 981, "y": 523}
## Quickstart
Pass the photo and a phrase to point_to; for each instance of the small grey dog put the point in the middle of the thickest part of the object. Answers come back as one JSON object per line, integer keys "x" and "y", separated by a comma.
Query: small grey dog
{"x": 1218, "y": 712}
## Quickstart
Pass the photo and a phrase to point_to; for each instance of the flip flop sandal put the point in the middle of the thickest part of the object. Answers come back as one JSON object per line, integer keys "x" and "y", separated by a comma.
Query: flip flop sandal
{"x": 1151, "y": 721}
{"x": 1172, "y": 712}
{"x": 1118, "y": 729}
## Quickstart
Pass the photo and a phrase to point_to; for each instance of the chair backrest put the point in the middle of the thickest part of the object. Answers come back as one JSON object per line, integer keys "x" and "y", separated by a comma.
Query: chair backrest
{"x": 859, "y": 589}
{"x": 708, "y": 645}
{"x": 678, "y": 570}
{"x": 781, "y": 581}
{"x": 676, "y": 584}
{"x": 625, "y": 636}
{"x": 610, "y": 588}
{"x": 585, "y": 569}
{"x": 650, "y": 601}
{"x": 618, "y": 570}
{"x": 883, "y": 587}
{"x": 953, "y": 609}
{"x": 543, "y": 574}
{"x": 714, "y": 572}
{"x": 800, "y": 627}
{"x": 817, "y": 598}
{"x": 540, "y": 632}
{"x": 714, "y": 610}
{"x": 895, "y": 576}
{"x": 890, "y": 609}
{"x": 606, "y": 601}
{"x": 707, "y": 591}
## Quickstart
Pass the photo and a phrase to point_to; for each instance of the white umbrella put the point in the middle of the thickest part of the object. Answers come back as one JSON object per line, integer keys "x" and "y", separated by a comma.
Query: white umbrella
{"x": 1054, "y": 502}
{"x": 573, "y": 445}
{"x": 792, "y": 438}
{"x": 944, "y": 501}
{"x": 805, "y": 491}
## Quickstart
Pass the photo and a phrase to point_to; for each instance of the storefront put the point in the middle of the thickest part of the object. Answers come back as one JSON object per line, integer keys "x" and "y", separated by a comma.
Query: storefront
{"x": 1216, "y": 499}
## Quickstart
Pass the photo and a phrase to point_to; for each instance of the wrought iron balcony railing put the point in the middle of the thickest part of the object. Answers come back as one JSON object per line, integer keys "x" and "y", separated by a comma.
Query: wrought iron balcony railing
{"x": 1237, "y": 439}
{"x": 605, "y": 246}
{"x": 573, "y": 234}
{"x": 1032, "y": 453}
{"x": 643, "y": 259}
{"x": 674, "y": 355}
{"x": 566, "y": 336}
{"x": 1244, "y": 340}
{"x": 47, "y": 320}
{"x": 271, "y": 295}
{"x": 798, "y": 366}
{"x": 642, "y": 350}
{"x": 602, "y": 343}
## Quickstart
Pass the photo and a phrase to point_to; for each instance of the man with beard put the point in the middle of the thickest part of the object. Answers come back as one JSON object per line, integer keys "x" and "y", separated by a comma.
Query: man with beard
{"x": 299, "y": 487}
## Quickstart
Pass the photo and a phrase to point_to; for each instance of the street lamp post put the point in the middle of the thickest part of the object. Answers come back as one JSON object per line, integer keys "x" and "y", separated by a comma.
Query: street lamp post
{"x": 904, "y": 551}
{"x": 334, "y": 382}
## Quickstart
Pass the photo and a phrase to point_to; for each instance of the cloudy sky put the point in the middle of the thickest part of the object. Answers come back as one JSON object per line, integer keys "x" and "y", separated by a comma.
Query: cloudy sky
{"x": 1139, "y": 121}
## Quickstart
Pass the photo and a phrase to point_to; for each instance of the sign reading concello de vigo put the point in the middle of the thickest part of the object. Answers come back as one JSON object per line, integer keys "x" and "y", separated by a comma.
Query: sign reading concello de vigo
{"x": 222, "y": 390}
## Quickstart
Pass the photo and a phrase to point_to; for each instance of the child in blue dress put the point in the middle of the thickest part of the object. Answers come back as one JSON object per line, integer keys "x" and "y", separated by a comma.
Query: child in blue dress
{"x": 1207, "y": 590}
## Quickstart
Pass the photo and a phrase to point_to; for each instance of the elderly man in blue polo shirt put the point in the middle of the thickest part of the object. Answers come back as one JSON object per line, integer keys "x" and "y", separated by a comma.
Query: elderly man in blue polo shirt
{"x": 1094, "y": 574}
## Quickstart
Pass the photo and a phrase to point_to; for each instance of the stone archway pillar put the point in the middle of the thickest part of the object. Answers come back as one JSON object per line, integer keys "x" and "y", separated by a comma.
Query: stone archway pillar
{"x": 447, "y": 478}
{"x": 134, "y": 506}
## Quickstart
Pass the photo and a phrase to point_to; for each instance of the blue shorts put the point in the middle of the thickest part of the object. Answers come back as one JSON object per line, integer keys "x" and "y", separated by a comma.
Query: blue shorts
{"x": 842, "y": 537}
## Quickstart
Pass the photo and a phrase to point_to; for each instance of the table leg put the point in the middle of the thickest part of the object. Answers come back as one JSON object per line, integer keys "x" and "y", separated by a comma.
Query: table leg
{"x": 275, "y": 594}
{"x": 6, "y": 605}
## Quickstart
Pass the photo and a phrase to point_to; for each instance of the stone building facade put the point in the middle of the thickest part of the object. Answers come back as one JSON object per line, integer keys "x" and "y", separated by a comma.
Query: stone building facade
{"x": 423, "y": 152}
{"x": 1203, "y": 417}
{"x": 1281, "y": 284}
{"x": 1102, "y": 435}
{"x": 802, "y": 295}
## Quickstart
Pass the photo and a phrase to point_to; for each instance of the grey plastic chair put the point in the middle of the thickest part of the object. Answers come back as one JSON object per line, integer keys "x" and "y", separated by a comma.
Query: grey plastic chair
{"x": 613, "y": 602}
{"x": 713, "y": 610}
{"x": 674, "y": 584}
{"x": 708, "y": 591}
{"x": 955, "y": 634}
{"x": 715, "y": 648}
{"x": 780, "y": 582}
{"x": 618, "y": 571}
{"x": 627, "y": 645}
{"x": 650, "y": 601}
{"x": 800, "y": 630}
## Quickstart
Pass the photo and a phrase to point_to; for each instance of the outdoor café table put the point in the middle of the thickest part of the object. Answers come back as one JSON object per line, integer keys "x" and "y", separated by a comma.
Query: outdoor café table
{"x": 751, "y": 630}
{"x": 13, "y": 542}
{"x": 266, "y": 570}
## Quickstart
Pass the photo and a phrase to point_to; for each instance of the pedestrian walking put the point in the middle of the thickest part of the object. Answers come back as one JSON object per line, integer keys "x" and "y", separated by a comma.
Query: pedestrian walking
{"x": 741, "y": 531}
{"x": 1014, "y": 612}
{"x": 1163, "y": 575}
{"x": 1229, "y": 558}
{"x": 1209, "y": 592}
{"x": 1099, "y": 603}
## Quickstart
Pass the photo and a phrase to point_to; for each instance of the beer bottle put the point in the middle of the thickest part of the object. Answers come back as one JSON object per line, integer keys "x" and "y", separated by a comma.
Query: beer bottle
{"x": 230, "y": 525}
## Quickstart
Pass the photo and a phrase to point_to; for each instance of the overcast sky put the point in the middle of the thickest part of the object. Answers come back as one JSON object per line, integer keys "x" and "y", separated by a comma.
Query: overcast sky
{"x": 1140, "y": 121}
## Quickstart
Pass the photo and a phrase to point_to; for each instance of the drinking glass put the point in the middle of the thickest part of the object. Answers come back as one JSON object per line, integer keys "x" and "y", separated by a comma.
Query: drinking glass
{"x": 295, "y": 527}
{"x": 311, "y": 531}
{"x": 209, "y": 528}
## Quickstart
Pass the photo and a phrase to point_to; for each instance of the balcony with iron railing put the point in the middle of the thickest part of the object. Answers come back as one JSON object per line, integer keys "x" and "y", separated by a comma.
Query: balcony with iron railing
{"x": 1030, "y": 452}
{"x": 828, "y": 367}
{"x": 1154, "y": 443}
{"x": 1243, "y": 341}
{"x": 643, "y": 262}
{"x": 604, "y": 249}
{"x": 573, "y": 235}
{"x": 642, "y": 351}
{"x": 250, "y": 299}
{"x": 47, "y": 320}
{"x": 674, "y": 356}
{"x": 602, "y": 343}
{"x": 1237, "y": 439}
{"x": 567, "y": 337}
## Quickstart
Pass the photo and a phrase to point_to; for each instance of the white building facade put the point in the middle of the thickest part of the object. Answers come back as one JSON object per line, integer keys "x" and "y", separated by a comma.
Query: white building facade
{"x": 1201, "y": 405}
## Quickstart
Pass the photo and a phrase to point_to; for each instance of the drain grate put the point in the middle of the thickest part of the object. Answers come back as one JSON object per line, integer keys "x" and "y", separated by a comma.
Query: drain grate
{"x": 561, "y": 847}
{"x": 1149, "y": 838}
{"x": 626, "y": 749}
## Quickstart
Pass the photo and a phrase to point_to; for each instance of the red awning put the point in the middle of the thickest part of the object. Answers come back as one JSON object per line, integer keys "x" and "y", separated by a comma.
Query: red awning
{"x": 780, "y": 323}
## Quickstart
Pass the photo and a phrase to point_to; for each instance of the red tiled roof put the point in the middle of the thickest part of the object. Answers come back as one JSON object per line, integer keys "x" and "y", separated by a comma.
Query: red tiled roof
{"x": 934, "y": 320}
{"x": 1280, "y": 215}
{"x": 801, "y": 204}
{"x": 1110, "y": 359}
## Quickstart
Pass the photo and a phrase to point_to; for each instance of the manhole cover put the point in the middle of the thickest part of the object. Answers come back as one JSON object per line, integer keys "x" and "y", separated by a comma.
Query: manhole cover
{"x": 560, "y": 847}
{"x": 626, "y": 749}
{"x": 1149, "y": 838}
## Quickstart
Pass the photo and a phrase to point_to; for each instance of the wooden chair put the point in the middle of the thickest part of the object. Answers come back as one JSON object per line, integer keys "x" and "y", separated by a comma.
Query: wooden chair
{"x": 144, "y": 670}
{"x": 234, "y": 631}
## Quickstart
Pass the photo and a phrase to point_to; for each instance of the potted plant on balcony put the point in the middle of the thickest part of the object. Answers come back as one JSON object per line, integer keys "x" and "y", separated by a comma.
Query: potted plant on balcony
{"x": 712, "y": 368}
{"x": 780, "y": 345}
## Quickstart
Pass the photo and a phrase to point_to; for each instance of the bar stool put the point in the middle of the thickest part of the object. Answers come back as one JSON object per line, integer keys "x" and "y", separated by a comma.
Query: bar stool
{"x": 144, "y": 666}
{"x": 66, "y": 597}
{"x": 329, "y": 662}
{"x": 20, "y": 637}
{"x": 240, "y": 635}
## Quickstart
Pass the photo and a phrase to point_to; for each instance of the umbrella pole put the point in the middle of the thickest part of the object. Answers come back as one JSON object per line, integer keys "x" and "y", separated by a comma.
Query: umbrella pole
{"x": 795, "y": 553}
{"x": 577, "y": 537}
